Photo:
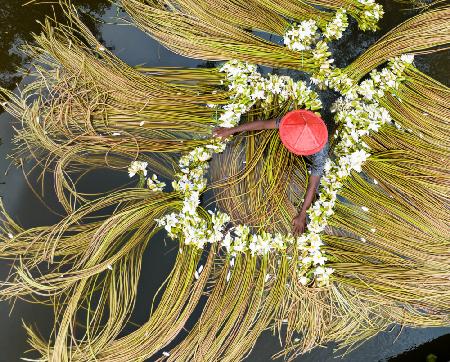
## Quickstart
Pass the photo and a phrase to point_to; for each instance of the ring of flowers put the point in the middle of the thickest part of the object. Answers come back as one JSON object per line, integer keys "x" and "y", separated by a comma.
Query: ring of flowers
{"x": 357, "y": 112}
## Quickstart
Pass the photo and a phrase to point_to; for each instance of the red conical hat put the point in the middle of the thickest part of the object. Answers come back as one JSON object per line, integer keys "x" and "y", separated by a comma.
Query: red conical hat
{"x": 303, "y": 132}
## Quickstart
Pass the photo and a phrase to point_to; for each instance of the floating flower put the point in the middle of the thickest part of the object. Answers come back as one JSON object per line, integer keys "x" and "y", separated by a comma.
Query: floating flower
{"x": 137, "y": 167}
{"x": 301, "y": 36}
{"x": 154, "y": 184}
{"x": 337, "y": 26}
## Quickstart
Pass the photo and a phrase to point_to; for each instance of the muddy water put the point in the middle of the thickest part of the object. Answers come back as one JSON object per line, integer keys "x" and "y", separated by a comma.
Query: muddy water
{"x": 16, "y": 25}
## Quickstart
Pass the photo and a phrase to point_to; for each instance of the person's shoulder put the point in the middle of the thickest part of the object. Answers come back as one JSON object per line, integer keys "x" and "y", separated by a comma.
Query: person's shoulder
{"x": 324, "y": 150}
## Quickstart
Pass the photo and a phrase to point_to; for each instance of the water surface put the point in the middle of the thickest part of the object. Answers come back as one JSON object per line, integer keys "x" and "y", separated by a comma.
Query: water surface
{"x": 16, "y": 25}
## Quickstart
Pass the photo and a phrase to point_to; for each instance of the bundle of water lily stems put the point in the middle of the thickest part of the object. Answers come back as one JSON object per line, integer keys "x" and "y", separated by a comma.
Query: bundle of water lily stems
{"x": 87, "y": 109}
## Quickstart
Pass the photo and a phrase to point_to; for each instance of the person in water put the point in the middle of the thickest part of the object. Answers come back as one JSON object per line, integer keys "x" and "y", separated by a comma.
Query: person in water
{"x": 303, "y": 133}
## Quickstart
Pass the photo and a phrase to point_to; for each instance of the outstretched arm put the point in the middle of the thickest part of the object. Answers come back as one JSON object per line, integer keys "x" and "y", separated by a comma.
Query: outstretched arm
{"x": 299, "y": 222}
{"x": 317, "y": 168}
{"x": 249, "y": 126}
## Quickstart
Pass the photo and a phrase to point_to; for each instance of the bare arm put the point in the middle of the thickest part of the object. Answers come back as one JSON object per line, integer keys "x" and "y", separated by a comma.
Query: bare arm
{"x": 250, "y": 126}
{"x": 310, "y": 192}
{"x": 299, "y": 222}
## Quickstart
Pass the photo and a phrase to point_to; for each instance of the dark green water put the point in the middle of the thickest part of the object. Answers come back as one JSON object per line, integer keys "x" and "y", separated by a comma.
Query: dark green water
{"x": 16, "y": 26}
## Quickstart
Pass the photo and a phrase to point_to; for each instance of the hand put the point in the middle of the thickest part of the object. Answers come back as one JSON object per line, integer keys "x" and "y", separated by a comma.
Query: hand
{"x": 222, "y": 132}
{"x": 299, "y": 224}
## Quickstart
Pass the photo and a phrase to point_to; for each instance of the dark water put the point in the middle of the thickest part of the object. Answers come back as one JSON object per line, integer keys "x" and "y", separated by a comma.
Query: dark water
{"x": 16, "y": 25}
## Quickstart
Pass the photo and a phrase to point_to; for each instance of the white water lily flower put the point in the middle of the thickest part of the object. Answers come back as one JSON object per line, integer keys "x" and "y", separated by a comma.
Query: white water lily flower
{"x": 315, "y": 227}
{"x": 154, "y": 184}
{"x": 229, "y": 119}
{"x": 265, "y": 246}
{"x": 184, "y": 184}
{"x": 319, "y": 259}
{"x": 228, "y": 276}
{"x": 204, "y": 156}
{"x": 278, "y": 242}
{"x": 357, "y": 159}
{"x": 239, "y": 245}
{"x": 191, "y": 203}
{"x": 303, "y": 280}
{"x": 302, "y": 36}
{"x": 407, "y": 58}
{"x": 336, "y": 26}
{"x": 320, "y": 270}
{"x": 136, "y": 167}
{"x": 169, "y": 222}
{"x": 253, "y": 246}
{"x": 367, "y": 89}
{"x": 226, "y": 242}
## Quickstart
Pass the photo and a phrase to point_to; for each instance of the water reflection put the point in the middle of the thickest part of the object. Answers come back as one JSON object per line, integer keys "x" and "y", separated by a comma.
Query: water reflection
{"x": 18, "y": 22}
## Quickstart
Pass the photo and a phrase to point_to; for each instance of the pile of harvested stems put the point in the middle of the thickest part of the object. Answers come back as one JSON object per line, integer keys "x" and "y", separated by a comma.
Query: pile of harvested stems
{"x": 87, "y": 109}
{"x": 192, "y": 31}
